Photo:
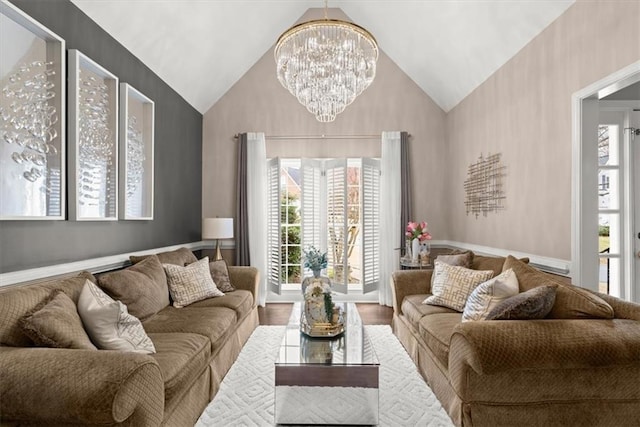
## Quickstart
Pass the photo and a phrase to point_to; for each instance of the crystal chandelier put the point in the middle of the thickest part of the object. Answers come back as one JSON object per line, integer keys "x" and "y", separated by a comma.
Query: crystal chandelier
{"x": 326, "y": 64}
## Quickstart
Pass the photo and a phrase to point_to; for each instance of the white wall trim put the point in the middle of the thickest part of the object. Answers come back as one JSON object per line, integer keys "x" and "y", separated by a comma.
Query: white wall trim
{"x": 94, "y": 265}
{"x": 552, "y": 265}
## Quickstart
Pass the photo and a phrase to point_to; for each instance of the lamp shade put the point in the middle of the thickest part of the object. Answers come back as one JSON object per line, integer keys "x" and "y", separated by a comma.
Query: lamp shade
{"x": 217, "y": 228}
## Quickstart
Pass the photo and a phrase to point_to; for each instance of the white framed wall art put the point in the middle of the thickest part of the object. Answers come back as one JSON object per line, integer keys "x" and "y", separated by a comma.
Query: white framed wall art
{"x": 93, "y": 140}
{"x": 136, "y": 154}
{"x": 32, "y": 118}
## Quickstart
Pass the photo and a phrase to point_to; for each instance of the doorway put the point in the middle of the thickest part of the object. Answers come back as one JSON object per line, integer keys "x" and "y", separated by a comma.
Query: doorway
{"x": 606, "y": 185}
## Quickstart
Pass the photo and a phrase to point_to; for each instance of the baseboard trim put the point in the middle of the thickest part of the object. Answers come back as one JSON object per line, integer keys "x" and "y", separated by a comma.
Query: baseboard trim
{"x": 94, "y": 265}
{"x": 551, "y": 265}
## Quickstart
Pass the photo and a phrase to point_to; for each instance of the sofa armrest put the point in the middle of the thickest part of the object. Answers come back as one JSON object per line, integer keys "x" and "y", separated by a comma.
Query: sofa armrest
{"x": 621, "y": 309}
{"x": 64, "y": 386}
{"x": 409, "y": 282}
{"x": 246, "y": 278}
{"x": 494, "y": 346}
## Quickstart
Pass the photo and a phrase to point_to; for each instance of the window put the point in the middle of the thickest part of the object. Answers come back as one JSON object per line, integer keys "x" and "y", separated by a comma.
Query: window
{"x": 609, "y": 209}
{"x": 332, "y": 205}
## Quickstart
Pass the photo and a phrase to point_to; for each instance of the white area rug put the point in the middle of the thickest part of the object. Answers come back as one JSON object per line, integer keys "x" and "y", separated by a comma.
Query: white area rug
{"x": 247, "y": 392}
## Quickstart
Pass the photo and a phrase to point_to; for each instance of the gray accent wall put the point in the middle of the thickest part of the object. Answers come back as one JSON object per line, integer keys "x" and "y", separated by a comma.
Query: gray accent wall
{"x": 178, "y": 162}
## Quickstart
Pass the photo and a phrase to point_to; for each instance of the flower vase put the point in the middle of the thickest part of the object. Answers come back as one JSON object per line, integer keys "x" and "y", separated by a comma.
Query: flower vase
{"x": 415, "y": 250}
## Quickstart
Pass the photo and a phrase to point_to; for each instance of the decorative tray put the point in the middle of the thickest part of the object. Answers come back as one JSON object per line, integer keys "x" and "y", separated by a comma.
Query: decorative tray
{"x": 320, "y": 330}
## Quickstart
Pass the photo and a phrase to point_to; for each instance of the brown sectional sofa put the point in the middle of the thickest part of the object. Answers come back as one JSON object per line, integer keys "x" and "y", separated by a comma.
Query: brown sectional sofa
{"x": 195, "y": 347}
{"x": 548, "y": 372}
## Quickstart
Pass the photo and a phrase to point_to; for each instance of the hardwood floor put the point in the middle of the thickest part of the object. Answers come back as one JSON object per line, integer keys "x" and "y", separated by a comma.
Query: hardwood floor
{"x": 279, "y": 313}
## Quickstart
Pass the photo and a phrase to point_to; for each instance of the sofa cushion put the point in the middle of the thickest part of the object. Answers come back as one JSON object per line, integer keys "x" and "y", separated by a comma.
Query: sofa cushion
{"x": 481, "y": 262}
{"x": 436, "y": 331}
{"x": 56, "y": 323}
{"x": 182, "y": 357}
{"x": 535, "y": 303}
{"x": 191, "y": 283}
{"x": 489, "y": 294}
{"x": 16, "y": 302}
{"x": 571, "y": 302}
{"x": 414, "y": 310}
{"x": 109, "y": 324}
{"x": 181, "y": 257}
{"x": 240, "y": 301}
{"x": 212, "y": 322}
{"x": 451, "y": 286}
{"x": 141, "y": 287}
{"x": 220, "y": 275}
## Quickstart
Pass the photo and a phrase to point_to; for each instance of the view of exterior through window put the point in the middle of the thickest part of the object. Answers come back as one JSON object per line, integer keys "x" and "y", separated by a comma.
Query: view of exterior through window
{"x": 339, "y": 223}
{"x": 609, "y": 221}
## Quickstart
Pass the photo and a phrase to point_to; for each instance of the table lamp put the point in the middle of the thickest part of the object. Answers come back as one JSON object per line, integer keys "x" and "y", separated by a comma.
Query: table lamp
{"x": 217, "y": 228}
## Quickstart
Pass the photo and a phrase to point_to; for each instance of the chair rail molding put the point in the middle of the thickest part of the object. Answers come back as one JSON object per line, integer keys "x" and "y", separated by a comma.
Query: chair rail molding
{"x": 94, "y": 265}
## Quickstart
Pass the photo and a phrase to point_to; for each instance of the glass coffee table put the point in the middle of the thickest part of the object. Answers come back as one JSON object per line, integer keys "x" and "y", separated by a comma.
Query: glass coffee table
{"x": 326, "y": 380}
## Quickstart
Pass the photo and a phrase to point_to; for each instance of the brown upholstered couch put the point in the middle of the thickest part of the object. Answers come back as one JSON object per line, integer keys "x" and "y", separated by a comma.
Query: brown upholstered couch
{"x": 549, "y": 372}
{"x": 196, "y": 345}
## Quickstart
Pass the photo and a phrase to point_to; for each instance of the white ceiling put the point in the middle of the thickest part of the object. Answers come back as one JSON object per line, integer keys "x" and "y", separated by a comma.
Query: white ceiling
{"x": 202, "y": 47}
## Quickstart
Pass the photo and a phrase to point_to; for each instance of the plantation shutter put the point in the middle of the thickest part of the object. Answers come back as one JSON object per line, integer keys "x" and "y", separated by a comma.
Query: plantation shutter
{"x": 336, "y": 179}
{"x": 312, "y": 207}
{"x": 273, "y": 225}
{"x": 370, "y": 184}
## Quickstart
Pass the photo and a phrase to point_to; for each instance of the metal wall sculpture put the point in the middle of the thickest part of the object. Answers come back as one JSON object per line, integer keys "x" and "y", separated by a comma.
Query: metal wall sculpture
{"x": 484, "y": 186}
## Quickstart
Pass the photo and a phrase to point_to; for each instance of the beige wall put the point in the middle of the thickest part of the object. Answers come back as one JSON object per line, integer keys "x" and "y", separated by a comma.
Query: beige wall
{"x": 524, "y": 112}
{"x": 258, "y": 102}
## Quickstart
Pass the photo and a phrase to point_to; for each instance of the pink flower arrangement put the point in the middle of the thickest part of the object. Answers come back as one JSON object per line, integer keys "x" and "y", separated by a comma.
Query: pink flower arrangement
{"x": 417, "y": 230}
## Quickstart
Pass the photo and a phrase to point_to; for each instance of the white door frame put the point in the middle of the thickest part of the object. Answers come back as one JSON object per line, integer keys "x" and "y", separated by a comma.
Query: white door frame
{"x": 584, "y": 201}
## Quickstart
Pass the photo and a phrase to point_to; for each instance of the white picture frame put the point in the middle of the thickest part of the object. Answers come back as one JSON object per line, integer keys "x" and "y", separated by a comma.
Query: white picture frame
{"x": 93, "y": 140}
{"x": 137, "y": 121}
{"x": 32, "y": 133}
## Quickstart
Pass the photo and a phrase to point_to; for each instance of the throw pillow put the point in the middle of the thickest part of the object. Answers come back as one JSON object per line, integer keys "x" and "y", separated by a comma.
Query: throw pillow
{"x": 181, "y": 257}
{"x": 191, "y": 283}
{"x": 460, "y": 260}
{"x": 220, "y": 275}
{"x": 535, "y": 303}
{"x": 109, "y": 324}
{"x": 452, "y": 285}
{"x": 489, "y": 294}
{"x": 571, "y": 302}
{"x": 141, "y": 287}
{"x": 56, "y": 323}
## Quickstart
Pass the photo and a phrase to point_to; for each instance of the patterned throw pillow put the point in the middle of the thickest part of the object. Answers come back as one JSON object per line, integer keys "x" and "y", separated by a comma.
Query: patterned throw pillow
{"x": 191, "y": 283}
{"x": 535, "y": 303}
{"x": 56, "y": 323}
{"x": 489, "y": 294}
{"x": 220, "y": 275}
{"x": 109, "y": 324}
{"x": 451, "y": 285}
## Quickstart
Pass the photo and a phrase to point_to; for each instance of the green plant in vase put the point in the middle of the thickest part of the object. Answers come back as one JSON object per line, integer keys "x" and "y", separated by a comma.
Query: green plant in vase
{"x": 315, "y": 260}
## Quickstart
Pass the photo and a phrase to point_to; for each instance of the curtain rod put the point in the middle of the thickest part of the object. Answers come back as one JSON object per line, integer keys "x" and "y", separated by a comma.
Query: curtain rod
{"x": 288, "y": 137}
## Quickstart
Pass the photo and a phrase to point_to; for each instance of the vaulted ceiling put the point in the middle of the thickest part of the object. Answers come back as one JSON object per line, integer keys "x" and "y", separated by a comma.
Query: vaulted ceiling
{"x": 202, "y": 47}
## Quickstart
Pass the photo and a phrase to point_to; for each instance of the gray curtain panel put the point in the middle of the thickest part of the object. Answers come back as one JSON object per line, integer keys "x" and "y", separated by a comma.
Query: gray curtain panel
{"x": 405, "y": 182}
{"x": 242, "y": 221}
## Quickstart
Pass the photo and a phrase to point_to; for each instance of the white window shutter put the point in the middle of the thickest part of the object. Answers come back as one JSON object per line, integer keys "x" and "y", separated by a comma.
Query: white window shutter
{"x": 312, "y": 207}
{"x": 273, "y": 225}
{"x": 370, "y": 184}
{"x": 336, "y": 178}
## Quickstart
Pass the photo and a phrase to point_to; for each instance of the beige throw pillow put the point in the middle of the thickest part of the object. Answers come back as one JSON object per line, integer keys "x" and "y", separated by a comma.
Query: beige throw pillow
{"x": 141, "y": 287}
{"x": 109, "y": 324}
{"x": 451, "y": 285}
{"x": 181, "y": 257}
{"x": 56, "y": 323}
{"x": 191, "y": 283}
{"x": 489, "y": 294}
{"x": 220, "y": 275}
